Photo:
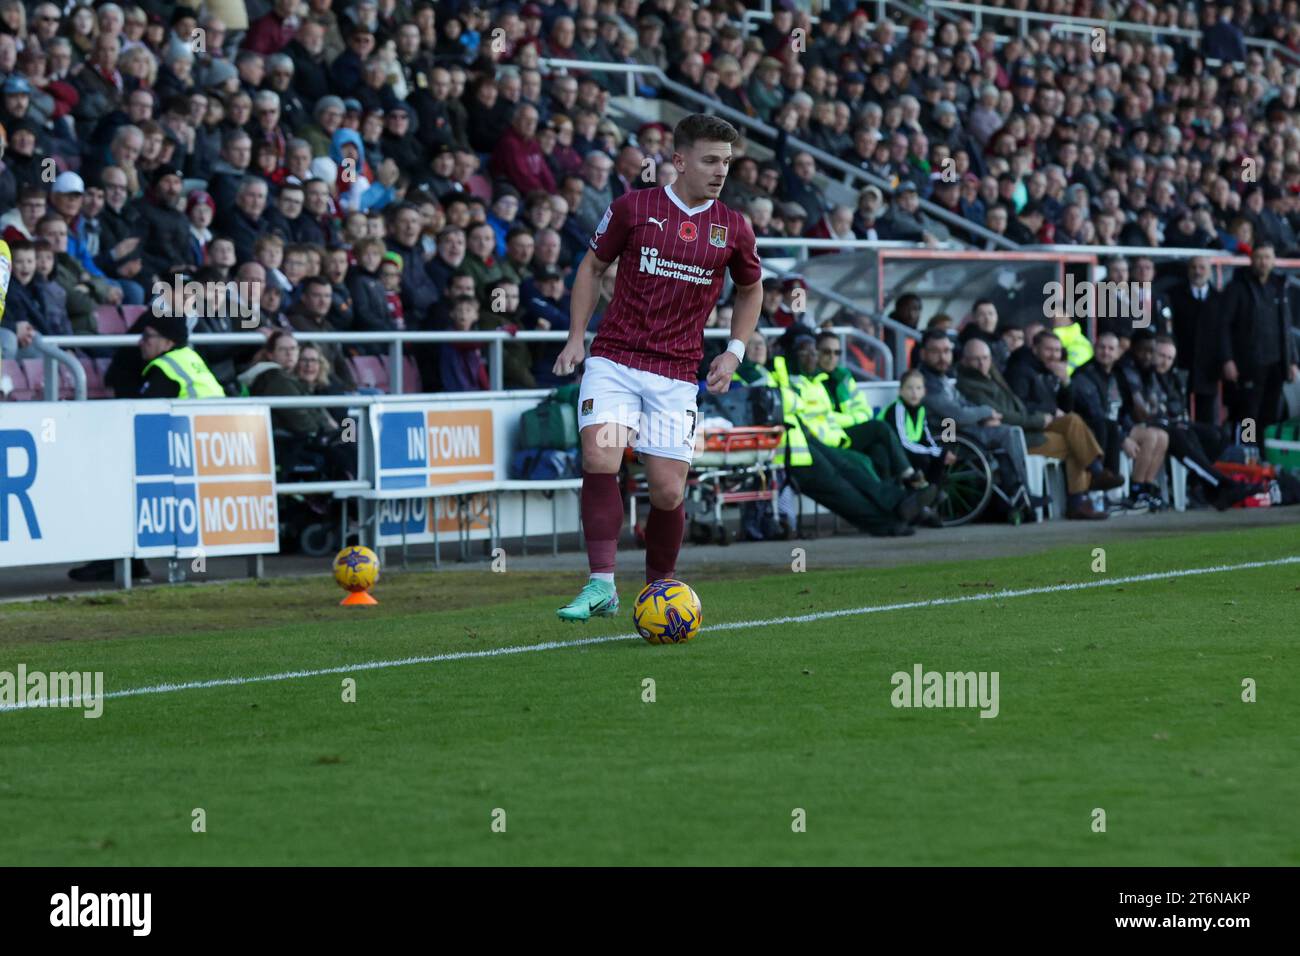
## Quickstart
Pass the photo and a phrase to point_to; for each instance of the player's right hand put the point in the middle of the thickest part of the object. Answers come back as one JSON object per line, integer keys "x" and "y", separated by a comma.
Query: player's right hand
{"x": 569, "y": 357}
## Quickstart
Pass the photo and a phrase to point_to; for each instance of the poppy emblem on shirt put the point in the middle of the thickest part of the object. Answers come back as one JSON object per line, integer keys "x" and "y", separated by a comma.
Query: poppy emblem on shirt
{"x": 718, "y": 235}
{"x": 687, "y": 232}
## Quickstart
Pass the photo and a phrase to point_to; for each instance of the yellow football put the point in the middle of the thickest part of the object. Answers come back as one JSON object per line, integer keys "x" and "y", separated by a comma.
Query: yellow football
{"x": 667, "y": 612}
{"x": 356, "y": 568}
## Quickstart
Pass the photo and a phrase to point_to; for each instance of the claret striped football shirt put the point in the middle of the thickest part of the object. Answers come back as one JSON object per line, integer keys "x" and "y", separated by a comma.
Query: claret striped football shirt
{"x": 670, "y": 271}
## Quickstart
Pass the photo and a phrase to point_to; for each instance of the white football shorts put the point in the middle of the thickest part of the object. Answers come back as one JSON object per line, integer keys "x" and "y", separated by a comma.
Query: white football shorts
{"x": 660, "y": 410}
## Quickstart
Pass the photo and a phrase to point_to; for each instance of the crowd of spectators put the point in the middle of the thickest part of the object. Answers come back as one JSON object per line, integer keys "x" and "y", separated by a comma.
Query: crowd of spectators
{"x": 384, "y": 165}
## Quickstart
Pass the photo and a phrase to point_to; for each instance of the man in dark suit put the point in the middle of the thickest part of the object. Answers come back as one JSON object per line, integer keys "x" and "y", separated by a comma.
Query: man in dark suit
{"x": 1198, "y": 316}
{"x": 1221, "y": 37}
{"x": 1259, "y": 352}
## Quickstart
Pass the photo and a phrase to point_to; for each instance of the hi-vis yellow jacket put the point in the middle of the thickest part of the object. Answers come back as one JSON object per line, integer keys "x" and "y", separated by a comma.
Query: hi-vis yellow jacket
{"x": 806, "y": 404}
{"x": 813, "y": 402}
{"x": 186, "y": 368}
{"x": 1078, "y": 350}
{"x": 850, "y": 405}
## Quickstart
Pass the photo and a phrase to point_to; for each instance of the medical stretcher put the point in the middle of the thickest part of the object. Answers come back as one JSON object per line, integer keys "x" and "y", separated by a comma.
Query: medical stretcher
{"x": 732, "y": 466}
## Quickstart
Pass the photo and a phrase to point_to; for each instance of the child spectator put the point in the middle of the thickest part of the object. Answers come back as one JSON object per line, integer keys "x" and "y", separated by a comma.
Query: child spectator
{"x": 269, "y": 251}
{"x": 53, "y": 296}
{"x": 199, "y": 209}
{"x": 461, "y": 365}
{"x": 907, "y": 416}
{"x": 390, "y": 274}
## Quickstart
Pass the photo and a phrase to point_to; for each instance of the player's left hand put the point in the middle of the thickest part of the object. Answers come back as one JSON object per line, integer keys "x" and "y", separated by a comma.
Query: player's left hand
{"x": 720, "y": 372}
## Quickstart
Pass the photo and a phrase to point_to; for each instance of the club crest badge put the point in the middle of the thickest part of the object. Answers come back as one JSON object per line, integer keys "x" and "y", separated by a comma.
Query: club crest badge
{"x": 690, "y": 427}
{"x": 588, "y": 405}
{"x": 687, "y": 231}
{"x": 718, "y": 235}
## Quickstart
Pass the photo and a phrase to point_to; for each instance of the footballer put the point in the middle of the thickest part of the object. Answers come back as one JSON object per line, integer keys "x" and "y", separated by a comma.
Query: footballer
{"x": 673, "y": 246}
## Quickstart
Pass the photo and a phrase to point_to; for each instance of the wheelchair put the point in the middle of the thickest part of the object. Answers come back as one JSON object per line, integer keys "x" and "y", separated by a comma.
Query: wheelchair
{"x": 306, "y": 525}
{"x": 969, "y": 485}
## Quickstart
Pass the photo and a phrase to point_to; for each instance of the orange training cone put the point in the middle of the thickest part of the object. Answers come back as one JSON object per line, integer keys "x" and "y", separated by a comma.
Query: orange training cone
{"x": 358, "y": 597}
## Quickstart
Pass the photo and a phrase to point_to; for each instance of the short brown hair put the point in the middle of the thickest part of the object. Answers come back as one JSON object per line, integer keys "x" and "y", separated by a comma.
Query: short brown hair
{"x": 701, "y": 127}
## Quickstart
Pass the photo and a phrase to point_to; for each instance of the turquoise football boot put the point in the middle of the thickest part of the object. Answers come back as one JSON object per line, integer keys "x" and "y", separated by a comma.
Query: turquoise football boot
{"x": 597, "y": 597}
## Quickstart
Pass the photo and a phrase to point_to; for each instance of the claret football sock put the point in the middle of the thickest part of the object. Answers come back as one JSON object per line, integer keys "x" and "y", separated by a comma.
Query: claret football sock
{"x": 663, "y": 541}
{"x": 602, "y": 520}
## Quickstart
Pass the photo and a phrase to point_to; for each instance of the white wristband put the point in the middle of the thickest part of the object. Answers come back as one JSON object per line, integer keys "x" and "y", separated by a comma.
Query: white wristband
{"x": 737, "y": 348}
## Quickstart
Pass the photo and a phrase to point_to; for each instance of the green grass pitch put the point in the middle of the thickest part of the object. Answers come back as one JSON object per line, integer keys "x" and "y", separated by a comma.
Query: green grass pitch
{"x": 1125, "y": 698}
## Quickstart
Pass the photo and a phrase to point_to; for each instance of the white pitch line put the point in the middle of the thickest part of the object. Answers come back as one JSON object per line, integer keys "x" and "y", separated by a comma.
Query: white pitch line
{"x": 609, "y": 638}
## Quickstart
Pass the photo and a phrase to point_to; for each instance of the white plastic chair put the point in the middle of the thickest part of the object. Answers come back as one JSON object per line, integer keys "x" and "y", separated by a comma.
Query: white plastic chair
{"x": 1178, "y": 484}
{"x": 1056, "y": 484}
{"x": 1036, "y": 470}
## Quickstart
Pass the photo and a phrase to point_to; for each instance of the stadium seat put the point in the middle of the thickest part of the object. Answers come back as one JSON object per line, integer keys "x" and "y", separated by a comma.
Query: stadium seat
{"x": 67, "y": 384}
{"x": 18, "y": 381}
{"x": 101, "y": 367}
{"x": 95, "y": 387}
{"x": 368, "y": 371}
{"x": 110, "y": 320}
{"x": 411, "y": 383}
{"x": 34, "y": 369}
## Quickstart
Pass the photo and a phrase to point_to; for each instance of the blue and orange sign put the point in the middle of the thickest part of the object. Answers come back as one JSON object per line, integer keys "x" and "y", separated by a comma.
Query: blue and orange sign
{"x": 205, "y": 482}
{"x": 427, "y": 447}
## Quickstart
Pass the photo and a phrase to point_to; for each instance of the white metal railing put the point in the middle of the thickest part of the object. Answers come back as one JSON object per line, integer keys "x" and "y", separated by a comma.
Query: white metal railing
{"x": 395, "y": 341}
{"x": 802, "y": 245}
{"x": 1025, "y": 17}
{"x": 749, "y": 16}
{"x": 1155, "y": 252}
{"x": 806, "y": 243}
{"x": 50, "y": 354}
{"x": 849, "y": 172}
{"x": 1030, "y": 16}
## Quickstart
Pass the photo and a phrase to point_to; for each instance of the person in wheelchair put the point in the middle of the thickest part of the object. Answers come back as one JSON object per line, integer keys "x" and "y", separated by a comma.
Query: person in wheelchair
{"x": 821, "y": 465}
{"x": 300, "y": 433}
{"x": 1048, "y": 430}
{"x": 983, "y": 423}
{"x": 906, "y": 415}
{"x": 868, "y": 435}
